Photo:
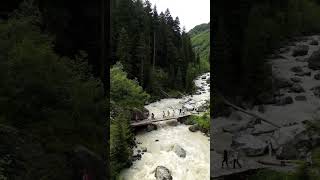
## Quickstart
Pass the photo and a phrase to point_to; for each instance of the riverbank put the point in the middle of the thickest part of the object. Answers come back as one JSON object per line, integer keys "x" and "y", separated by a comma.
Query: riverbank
{"x": 293, "y": 104}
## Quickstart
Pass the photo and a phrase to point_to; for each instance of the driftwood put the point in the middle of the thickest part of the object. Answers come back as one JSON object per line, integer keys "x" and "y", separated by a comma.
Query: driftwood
{"x": 249, "y": 113}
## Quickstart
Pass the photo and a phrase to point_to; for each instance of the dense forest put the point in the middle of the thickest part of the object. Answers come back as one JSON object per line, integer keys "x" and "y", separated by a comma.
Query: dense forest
{"x": 246, "y": 32}
{"x": 53, "y": 105}
{"x": 151, "y": 58}
{"x": 200, "y": 39}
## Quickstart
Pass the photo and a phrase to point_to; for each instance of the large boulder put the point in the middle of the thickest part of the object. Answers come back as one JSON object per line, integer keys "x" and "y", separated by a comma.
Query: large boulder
{"x": 300, "y": 50}
{"x": 194, "y": 128}
{"x": 297, "y": 88}
{"x": 162, "y": 173}
{"x": 151, "y": 127}
{"x": 179, "y": 150}
{"x": 316, "y": 91}
{"x": 314, "y": 42}
{"x": 284, "y": 100}
{"x": 295, "y": 79}
{"x": 296, "y": 69}
{"x": 317, "y": 76}
{"x": 172, "y": 123}
{"x": 314, "y": 60}
{"x": 281, "y": 82}
{"x": 250, "y": 145}
{"x": 232, "y": 128}
{"x": 300, "y": 98}
{"x": 138, "y": 115}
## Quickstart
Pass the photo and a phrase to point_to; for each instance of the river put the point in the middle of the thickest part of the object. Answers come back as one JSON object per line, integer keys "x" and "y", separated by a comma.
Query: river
{"x": 196, "y": 164}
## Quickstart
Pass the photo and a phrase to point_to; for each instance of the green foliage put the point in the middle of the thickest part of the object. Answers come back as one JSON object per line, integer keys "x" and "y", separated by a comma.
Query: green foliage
{"x": 203, "y": 121}
{"x": 53, "y": 98}
{"x": 125, "y": 95}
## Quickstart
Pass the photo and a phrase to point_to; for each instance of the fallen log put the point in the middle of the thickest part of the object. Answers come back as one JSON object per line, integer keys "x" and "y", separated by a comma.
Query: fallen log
{"x": 225, "y": 101}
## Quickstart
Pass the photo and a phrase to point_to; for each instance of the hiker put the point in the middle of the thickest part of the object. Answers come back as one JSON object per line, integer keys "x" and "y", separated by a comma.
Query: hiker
{"x": 152, "y": 116}
{"x": 269, "y": 147}
{"x": 163, "y": 114}
{"x": 235, "y": 159}
{"x": 168, "y": 113}
{"x": 309, "y": 158}
{"x": 225, "y": 158}
{"x": 180, "y": 112}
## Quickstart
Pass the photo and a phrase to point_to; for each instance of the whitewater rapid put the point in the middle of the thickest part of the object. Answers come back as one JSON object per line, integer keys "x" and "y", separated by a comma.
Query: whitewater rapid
{"x": 196, "y": 164}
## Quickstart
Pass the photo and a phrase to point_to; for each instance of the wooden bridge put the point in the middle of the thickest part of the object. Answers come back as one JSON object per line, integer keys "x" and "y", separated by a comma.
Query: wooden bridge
{"x": 150, "y": 121}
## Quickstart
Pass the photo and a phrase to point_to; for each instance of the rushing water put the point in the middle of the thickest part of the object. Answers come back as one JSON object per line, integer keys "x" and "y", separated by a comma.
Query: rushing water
{"x": 196, "y": 164}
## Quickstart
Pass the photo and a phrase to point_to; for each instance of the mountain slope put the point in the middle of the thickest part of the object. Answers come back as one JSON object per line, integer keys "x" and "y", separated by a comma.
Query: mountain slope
{"x": 200, "y": 38}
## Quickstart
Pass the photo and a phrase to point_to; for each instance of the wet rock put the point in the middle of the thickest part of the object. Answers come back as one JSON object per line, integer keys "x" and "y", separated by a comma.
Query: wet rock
{"x": 178, "y": 150}
{"x": 250, "y": 145}
{"x": 284, "y": 101}
{"x": 300, "y": 98}
{"x": 194, "y": 128}
{"x": 162, "y": 173}
{"x": 281, "y": 82}
{"x": 139, "y": 114}
{"x": 151, "y": 127}
{"x": 266, "y": 98}
{"x": 300, "y": 50}
{"x": 144, "y": 149}
{"x": 314, "y": 42}
{"x": 295, "y": 79}
{"x": 317, "y": 76}
{"x": 172, "y": 123}
{"x": 157, "y": 140}
{"x": 136, "y": 157}
{"x": 232, "y": 128}
{"x": 296, "y": 69}
{"x": 316, "y": 91}
{"x": 297, "y": 88}
{"x": 300, "y": 59}
{"x": 314, "y": 60}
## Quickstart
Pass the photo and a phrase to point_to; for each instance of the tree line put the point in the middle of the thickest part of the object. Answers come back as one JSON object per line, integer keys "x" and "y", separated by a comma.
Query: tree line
{"x": 152, "y": 47}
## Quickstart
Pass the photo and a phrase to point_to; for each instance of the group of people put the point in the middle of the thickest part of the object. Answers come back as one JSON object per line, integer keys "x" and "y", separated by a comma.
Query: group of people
{"x": 181, "y": 112}
{"x": 235, "y": 159}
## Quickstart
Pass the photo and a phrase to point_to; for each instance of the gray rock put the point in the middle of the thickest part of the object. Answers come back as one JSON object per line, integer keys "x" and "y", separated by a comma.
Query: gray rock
{"x": 296, "y": 69}
{"x": 194, "y": 128}
{"x": 284, "y": 100}
{"x": 300, "y": 50}
{"x": 314, "y": 60}
{"x": 300, "y": 59}
{"x": 314, "y": 42}
{"x": 172, "y": 123}
{"x": 250, "y": 145}
{"x": 300, "y": 98}
{"x": 232, "y": 128}
{"x": 144, "y": 149}
{"x": 296, "y": 79}
{"x": 316, "y": 91}
{"x": 162, "y": 173}
{"x": 281, "y": 82}
{"x": 151, "y": 127}
{"x": 266, "y": 98}
{"x": 297, "y": 88}
{"x": 317, "y": 76}
{"x": 179, "y": 150}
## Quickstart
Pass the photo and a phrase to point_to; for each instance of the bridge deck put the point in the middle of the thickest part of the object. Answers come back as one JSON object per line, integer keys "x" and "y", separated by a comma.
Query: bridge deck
{"x": 150, "y": 121}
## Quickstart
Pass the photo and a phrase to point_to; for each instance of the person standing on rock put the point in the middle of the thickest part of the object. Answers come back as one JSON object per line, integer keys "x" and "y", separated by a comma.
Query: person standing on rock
{"x": 236, "y": 159}
{"x": 225, "y": 158}
{"x": 163, "y": 114}
{"x": 180, "y": 112}
{"x": 269, "y": 147}
{"x": 168, "y": 113}
{"x": 152, "y": 116}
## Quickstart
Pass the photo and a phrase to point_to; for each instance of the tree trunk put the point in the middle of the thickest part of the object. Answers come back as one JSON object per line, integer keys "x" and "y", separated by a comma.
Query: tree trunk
{"x": 154, "y": 51}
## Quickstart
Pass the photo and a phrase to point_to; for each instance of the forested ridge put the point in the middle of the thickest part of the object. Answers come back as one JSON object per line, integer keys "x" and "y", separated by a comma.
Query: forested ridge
{"x": 247, "y": 32}
{"x": 200, "y": 39}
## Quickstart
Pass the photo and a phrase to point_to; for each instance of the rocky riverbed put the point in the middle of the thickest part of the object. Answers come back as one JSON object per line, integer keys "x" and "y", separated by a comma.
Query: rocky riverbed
{"x": 172, "y": 151}
{"x": 293, "y": 104}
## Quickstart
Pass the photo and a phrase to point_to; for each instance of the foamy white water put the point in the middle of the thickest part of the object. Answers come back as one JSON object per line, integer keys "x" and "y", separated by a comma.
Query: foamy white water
{"x": 196, "y": 164}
